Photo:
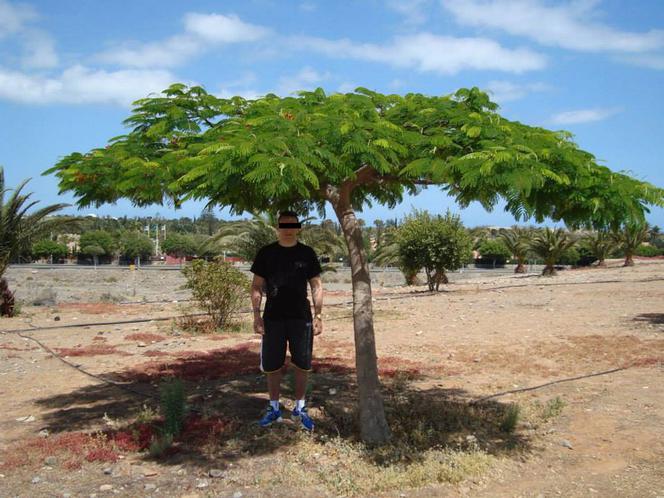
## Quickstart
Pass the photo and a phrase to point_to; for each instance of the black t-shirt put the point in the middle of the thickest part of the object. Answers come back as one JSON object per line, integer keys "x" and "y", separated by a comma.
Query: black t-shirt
{"x": 286, "y": 271}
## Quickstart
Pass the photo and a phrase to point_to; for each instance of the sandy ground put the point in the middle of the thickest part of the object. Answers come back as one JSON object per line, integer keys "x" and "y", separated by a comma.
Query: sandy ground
{"x": 479, "y": 337}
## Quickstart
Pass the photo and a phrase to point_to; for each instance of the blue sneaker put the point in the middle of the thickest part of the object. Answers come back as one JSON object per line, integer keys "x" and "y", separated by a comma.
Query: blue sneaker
{"x": 271, "y": 416}
{"x": 304, "y": 418}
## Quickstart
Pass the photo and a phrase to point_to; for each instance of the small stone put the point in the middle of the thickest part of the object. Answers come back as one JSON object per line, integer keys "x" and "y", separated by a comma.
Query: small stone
{"x": 50, "y": 460}
{"x": 36, "y": 480}
{"x": 237, "y": 494}
{"x": 150, "y": 487}
{"x": 66, "y": 495}
{"x": 56, "y": 318}
{"x": 142, "y": 345}
{"x": 419, "y": 332}
{"x": 332, "y": 391}
{"x": 44, "y": 433}
{"x": 149, "y": 473}
{"x": 105, "y": 487}
{"x": 216, "y": 473}
{"x": 471, "y": 439}
{"x": 108, "y": 471}
{"x": 566, "y": 444}
{"x": 202, "y": 483}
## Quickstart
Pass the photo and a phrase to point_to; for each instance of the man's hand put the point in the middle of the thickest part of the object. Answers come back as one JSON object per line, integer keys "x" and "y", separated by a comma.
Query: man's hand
{"x": 259, "y": 326}
{"x": 318, "y": 326}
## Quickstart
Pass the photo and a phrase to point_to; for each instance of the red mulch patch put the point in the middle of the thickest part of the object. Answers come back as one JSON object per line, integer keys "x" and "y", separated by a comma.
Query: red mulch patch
{"x": 100, "y": 338}
{"x": 145, "y": 337}
{"x": 9, "y": 347}
{"x": 91, "y": 350}
{"x": 199, "y": 365}
{"x": 152, "y": 352}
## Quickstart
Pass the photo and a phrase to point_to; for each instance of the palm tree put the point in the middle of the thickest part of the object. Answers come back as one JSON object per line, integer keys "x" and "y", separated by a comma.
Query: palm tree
{"x": 18, "y": 228}
{"x": 246, "y": 237}
{"x": 600, "y": 244}
{"x": 630, "y": 238}
{"x": 323, "y": 238}
{"x": 550, "y": 245}
{"x": 517, "y": 240}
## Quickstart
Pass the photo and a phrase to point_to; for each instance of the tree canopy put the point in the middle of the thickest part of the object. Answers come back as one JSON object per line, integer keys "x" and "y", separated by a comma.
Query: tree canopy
{"x": 277, "y": 152}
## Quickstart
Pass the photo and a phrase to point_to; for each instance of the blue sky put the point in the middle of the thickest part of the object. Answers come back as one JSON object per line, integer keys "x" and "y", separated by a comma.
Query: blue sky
{"x": 69, "y": 71}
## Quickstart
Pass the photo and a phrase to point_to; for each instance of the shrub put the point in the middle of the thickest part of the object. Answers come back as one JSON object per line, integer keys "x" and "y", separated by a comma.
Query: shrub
{"x": 218, "y": 288}
{"x": 648, "y": 251}
{"x": 494, "y": 252}
{"x": 571, "y": 257}
{"x": 172, "y": 405}
{"x": 510, "y": 418}
{"x": 134, "y": 245}
{"x": 48, "y": 248}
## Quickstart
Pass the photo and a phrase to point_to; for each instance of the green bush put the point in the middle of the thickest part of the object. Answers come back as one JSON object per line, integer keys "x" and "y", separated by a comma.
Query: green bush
{"x": 218, "y": 288}
{"x": 494, "y": 252}
{"x": 97, "y": 239}
{"x": 648, "y": 251}
{"x": 172, "y": 405}
{"x": 570, "y": 256}
{"x": 136, "y": 244}
{"x": 47, "y": 248}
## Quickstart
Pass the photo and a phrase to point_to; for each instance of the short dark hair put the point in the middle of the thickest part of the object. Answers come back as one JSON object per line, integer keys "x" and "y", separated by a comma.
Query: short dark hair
{"x": 289, "y": 214}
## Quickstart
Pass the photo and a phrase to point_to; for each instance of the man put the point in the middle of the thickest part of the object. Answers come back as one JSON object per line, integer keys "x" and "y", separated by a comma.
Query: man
{"x": 282, "y": 270}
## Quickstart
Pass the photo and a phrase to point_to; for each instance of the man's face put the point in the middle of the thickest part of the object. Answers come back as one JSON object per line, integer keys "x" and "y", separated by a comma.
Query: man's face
{"x": 288, "y": 236}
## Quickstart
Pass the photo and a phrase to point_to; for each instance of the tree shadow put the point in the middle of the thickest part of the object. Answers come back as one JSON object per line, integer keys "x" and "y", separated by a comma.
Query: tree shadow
{"x": 225, "y": 385}
{"x": 652, "y": 318}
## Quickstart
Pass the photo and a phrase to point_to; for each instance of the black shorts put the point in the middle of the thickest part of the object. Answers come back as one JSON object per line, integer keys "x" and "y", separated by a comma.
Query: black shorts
{"x": 297, "y": 333}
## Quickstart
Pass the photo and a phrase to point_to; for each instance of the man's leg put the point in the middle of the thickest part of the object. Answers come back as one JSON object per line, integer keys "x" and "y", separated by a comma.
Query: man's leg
{"x": 273, "y": 354}
{"x": 301, "y": 377}
{"x": 274, "y": 385}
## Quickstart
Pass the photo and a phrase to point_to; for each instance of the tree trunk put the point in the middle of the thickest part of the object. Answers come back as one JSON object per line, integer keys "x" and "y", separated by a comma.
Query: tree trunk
{"x": 520, "y": 268}
{"x": 629, "y": 260}
{"x": 549, "y": 271}
{"x": 373, "y": 425}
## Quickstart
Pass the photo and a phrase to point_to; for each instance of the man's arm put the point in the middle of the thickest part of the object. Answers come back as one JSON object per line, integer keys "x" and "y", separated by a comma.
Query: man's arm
{"x": 256, "y": 297}
{"x": 317, "y": 295}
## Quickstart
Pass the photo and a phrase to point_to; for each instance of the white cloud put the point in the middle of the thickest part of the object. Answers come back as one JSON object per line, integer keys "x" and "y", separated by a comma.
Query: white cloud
{"x": 81, "y": 85}
{"x": 413, "y": 11}
{"x": 308, "y": 6}
{"x": 583, "y": 116}
{"x": 13, "y": 18}
{"x": 39, "y": 50}
{"x": 202, "y": 32}
{"x": 650, "y": 61}
{"x": 430, "y": 53}
{"x": 505, "y": 91}
{"x": 217, "y": 28}
{"x": 306, "y": 79}
{"x": 570, "y": 25}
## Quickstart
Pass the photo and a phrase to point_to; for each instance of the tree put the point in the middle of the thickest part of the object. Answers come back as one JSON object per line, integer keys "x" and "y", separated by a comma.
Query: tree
{"x": 517, "y": 241}
{"x": 346, "y": 150}
{"x": 18, "y": 229}
{"x": 600, "y": 244}
{"x": 550, "y": 245}
{"x": 494, "y": 252}
{"x": 435, "y": 243}
{"x": 136, "y": 245}
{"x": 630, "y": 238}
{"x": 179, "y": 245}
{"x": 246, "y": 237}
{"x": 99, "y": 239}
{"x": 47, "y": 248}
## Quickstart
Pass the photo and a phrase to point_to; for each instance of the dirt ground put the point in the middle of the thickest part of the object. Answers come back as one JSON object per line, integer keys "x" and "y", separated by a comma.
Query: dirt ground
{"x": 477, "y": 338}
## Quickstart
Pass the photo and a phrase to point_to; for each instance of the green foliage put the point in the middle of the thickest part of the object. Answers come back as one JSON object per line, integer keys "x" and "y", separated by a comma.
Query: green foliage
{"x": 245, "y": 238}
{"x": 517, "y": 241}
{"x": 172, "y": 406}
{"x": 599, "y": 244}
{"x": 570, "y": 256}
{"x": 648, "y": 251}
{"x": 48, "y": 248}
{"x": 95, "y": 240}
{"x": 435, "y": 243}
{"x": 510, "y": 418}
{"x": 629, "y": 238}
{"x": 552, "y": 408}
{"x": 18, "y": 226}
{"x": 136, "y": 244}
{"x": 179, "y": 245}
{"x": 272, "y": 153}
{"x": 218, "y": 288}
{"x": 494, "y": 252}
{"x": 550, "y": 245}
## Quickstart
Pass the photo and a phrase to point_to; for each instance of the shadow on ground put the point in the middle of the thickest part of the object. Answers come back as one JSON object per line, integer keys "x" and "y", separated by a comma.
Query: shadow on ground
{"x": 224, "y": 384}
{"x": 652, "y": 318}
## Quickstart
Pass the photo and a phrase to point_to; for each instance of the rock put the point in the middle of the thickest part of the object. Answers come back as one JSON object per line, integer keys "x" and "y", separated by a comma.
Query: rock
{"x": 216, "y": 473}
{"x": 46, "y": 297}
{"x": 36, "y": 480}
{"x": 332, "y": 391}
{"x": 566, "y": 444}
{"x": 27, "y": 418}
{"x": 108, "y": 471}
{"x": 142, "y": 345}
{"x": 150, "y": 487}
{"x": 237, "y": 494}
{"x": 105, "y": 487}
{"x": 50, "y": 460}
{"x": 149, "y": 473}
{"x": 44, "y": 433}
{"x": 202, "y": 483}
{"x": 471, "y": 439}
{"x": 56, "y": 318}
